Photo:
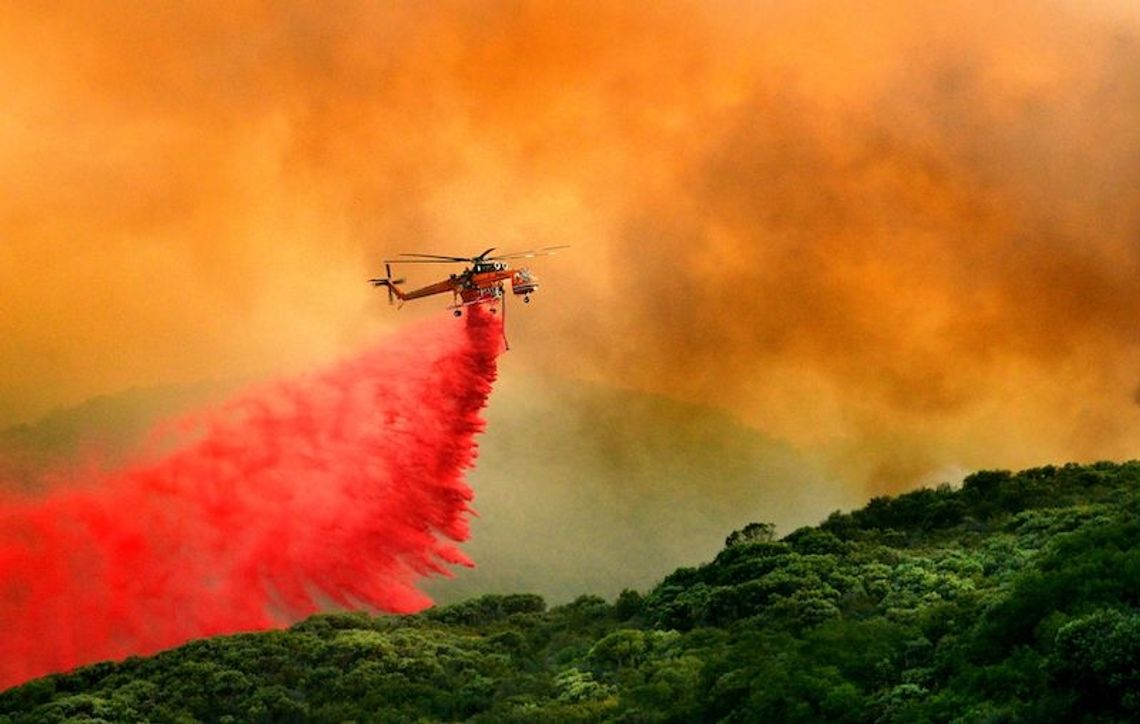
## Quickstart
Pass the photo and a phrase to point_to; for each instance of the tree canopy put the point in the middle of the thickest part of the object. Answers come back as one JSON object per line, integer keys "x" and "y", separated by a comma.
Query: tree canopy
{"x": 1014, "y": 598}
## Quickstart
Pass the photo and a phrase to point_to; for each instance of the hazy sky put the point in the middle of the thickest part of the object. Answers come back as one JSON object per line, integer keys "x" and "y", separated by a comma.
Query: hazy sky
{"x": 901, "y": 236}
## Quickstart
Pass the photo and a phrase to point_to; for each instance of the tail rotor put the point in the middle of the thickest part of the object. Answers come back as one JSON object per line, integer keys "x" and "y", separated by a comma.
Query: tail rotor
{"x": 387, "y": 282}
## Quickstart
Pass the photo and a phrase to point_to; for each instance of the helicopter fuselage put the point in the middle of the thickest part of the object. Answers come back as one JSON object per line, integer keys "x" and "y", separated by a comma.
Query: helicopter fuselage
{"x": 476, "y": 285}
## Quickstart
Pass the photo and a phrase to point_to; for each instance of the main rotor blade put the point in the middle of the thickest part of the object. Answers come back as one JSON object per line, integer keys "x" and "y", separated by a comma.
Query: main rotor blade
{"x": 426, "y": 261}
{"x": 438, "y": 256}
{"x": 544, "y": 251}
{"x": 441, "y": 259}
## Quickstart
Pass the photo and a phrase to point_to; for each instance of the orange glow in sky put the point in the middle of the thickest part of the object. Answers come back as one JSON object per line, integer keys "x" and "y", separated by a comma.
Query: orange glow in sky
{"x": 902, "y": 236}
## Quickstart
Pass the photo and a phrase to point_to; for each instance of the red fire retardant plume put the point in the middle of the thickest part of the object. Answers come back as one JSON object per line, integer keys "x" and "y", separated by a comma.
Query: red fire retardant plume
{"x": 336, "y": 490}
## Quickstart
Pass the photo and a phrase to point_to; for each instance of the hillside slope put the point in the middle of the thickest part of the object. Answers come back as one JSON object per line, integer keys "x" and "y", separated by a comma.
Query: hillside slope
{"x": 1014, "y": 598}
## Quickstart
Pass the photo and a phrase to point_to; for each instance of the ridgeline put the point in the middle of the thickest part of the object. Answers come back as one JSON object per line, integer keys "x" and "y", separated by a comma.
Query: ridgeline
{"x": 1015, "y": 598}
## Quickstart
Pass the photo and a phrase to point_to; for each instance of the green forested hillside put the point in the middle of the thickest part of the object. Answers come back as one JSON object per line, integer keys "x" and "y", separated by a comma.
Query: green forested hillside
{"x": 1015, "y": 598}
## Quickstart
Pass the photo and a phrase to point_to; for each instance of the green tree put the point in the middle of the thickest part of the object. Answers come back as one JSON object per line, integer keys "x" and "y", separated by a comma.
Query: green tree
{"x": 751, "y": 533}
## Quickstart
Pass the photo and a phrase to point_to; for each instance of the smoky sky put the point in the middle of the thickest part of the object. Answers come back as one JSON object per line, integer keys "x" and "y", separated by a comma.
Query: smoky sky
{"x": 901, "y": 236}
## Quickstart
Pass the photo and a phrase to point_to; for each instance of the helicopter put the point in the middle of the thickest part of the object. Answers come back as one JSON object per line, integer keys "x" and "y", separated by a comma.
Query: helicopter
{"x": 483, "y": 282}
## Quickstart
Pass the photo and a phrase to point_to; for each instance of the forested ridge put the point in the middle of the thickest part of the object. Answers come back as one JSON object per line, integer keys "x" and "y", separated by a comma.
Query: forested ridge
{"x": 1014, "y": 598}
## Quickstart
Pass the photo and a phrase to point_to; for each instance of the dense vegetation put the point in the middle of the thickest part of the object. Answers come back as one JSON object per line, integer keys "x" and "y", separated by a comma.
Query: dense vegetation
{"x": 1015, "y": 598}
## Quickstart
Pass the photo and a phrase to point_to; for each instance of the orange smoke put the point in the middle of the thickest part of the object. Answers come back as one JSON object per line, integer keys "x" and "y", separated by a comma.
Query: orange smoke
{"x": 902, "y": 238}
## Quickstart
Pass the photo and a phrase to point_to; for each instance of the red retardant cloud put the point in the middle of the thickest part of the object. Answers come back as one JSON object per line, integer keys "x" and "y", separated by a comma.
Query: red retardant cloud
{"x": 339, "y": 489}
